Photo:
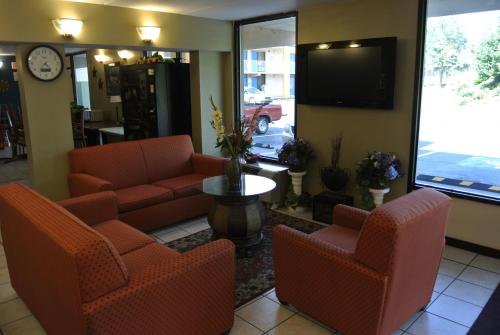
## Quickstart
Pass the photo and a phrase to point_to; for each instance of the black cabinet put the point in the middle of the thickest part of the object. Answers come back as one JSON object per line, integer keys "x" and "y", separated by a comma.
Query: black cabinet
{"x": 324, "y": 202}
{"x": 156, "y": 100}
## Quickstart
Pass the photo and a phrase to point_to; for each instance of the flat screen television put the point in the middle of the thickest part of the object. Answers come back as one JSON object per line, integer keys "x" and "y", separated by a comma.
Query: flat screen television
{"x": 356, "y": 73}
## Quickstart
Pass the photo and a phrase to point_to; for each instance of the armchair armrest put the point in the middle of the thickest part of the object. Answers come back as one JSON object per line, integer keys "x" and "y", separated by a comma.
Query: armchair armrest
{"x": 208, "y": 165}
{"x": 81, "y": 184}
{"x": 350, "y": 217}
{"x": 93, "y": 208}
{"x": 310, "y": 271}
{"x": 189, "y": 294}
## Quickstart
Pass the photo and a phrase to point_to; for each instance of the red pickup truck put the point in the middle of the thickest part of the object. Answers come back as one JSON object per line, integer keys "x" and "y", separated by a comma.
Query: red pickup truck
{"x": 268, "y": 114}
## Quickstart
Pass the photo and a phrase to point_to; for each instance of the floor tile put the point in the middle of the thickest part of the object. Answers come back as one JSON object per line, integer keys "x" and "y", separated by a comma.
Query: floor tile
{"x": 472, "y": 293}
{"x": 3, "y": 262}
{"x": 410, "y": 321}
{"x": 195, "y": 226}
{"x": 7, "y": 293}
{"x": 171, "y": 234}
{"x": 480, "y": 277}
{"x": 433, "y": 298}
{"x": 487, "y": 263}
{"x": 451, "y": 268}
{"x": 455, "y": 310}
{"x": 442, "y": 283}
{"x": 4, "y": 276}
{"x": 298, "y": 325}
{"x": 241, "y": 327}
{"x": 458, "y": 255}
{"x": 397, "y": 332}
{"x": 272, "y": 295}
{"x": 264, "y": 314}
{"x": 26, "y": 326}
{"x": 429, "y": 324}
{"x": 13, "y": 310}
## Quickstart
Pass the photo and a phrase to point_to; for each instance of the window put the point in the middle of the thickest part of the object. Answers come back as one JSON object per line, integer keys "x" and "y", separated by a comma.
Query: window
{"x": 184, "y": 56}
{"x": 266, "y": 61}
{"x": 457, "y": 145}
{"x": 81, "y": 79}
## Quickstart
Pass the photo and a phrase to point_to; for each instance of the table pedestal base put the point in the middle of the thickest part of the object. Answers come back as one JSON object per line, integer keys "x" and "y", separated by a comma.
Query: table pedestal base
{"x": 238, "y": 219}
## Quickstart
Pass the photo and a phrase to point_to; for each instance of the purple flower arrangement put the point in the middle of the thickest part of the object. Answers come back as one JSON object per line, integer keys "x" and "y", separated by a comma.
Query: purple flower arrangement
{"x": 377, "y": 169}
{"x": 295, "y": 154}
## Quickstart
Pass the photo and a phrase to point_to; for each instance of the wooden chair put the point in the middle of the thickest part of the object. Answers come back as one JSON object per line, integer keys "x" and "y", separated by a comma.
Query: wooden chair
{"x": 4, "y": 127}
{"x": 78, "y": 125}
{"x": 16, "y": 131}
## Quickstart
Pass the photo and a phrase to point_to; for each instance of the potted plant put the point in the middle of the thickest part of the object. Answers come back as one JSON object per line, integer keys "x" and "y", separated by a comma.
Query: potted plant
{"x": 374, "y": 174}
{"x": 334, "y": 177}
{"x": 296, "y": 154}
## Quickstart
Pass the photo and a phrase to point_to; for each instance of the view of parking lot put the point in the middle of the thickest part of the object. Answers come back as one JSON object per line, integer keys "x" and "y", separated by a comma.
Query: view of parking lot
{"x": 459, "y": 137}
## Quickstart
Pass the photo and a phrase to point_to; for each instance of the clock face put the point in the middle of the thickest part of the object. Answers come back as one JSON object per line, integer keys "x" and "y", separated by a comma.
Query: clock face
{"x": 45, "y": 63}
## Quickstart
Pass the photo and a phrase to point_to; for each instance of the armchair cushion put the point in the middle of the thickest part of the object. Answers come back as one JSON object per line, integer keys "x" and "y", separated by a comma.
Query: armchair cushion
{"x": 122, "y": 236}
{"x": 81, "y": 184}
{"x": 208, "y": 165}
{"x": 142, "y": 196}
{"x": 92, "y": 208}
{"x": 345, "y": 238}
{"x": 183, "y": 186}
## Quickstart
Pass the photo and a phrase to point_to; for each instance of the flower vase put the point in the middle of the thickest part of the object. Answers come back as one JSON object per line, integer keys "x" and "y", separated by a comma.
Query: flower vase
{"x": 378, "y": 195}
{"x": 232, "y": 169}
{"x": 297, "y": 181}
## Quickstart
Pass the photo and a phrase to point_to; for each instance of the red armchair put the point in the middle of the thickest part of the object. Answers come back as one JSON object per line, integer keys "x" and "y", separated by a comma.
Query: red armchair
{"x": 89, "y": 273}
{"x": 368, "y": 272}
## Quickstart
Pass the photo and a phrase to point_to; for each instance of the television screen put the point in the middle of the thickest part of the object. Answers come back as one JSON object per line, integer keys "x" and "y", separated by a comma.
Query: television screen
{"x": 347, "y": 74}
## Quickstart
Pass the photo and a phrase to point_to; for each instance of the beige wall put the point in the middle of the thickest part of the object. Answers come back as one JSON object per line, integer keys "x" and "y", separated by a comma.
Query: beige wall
{"x": 387, "y": 130}
{"x": 29, "y": 21}
{"x": 47, "y": 123}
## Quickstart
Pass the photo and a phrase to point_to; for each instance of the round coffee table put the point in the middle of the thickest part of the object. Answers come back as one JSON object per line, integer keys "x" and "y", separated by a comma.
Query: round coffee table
{"x": 238, "y": 215}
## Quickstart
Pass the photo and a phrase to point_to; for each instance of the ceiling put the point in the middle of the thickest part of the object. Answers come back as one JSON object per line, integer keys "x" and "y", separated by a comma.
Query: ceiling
{"x": 214, "y": 9}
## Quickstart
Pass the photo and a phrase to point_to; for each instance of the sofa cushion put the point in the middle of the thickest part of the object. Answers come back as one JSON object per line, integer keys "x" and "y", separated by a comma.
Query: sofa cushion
{"x": 345, "y": 238}
{"x": 183, "y": 186}
{"x": 142, "y": 196}
{"x": 122, "y": 164}
{"x": 149, "y": 255}
{"x": 123, "y": 237}
{"x": 167, "y": 157}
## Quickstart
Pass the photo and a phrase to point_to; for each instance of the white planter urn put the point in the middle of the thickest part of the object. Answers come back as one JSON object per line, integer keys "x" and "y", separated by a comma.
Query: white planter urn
{"x": 297, "y": 181}
{"x": 378, "y": 195}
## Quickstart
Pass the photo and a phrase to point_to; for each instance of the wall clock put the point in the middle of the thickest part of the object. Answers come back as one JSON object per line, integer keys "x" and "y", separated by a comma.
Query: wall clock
{"x": 45, "y": 63}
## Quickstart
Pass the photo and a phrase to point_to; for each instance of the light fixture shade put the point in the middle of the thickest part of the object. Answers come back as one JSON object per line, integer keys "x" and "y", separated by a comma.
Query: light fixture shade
{"x": 125, "y": 54}
{"x": 1, "y": 64}
{"x": 114, "y": 99}
{"x": 324, "y": 46}
{"x": 148, "y": 34}
{"x": 101, "y": 58}
{"x": 68, "y": 28}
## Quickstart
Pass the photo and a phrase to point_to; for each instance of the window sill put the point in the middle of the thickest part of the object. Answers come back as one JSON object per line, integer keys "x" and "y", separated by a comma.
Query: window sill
{"x": 460, "y": 195}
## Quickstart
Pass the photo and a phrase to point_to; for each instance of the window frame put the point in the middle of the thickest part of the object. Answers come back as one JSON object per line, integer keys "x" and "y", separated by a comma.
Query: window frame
{"x": 237, "y": 67}
{"x": 415, "y": 129}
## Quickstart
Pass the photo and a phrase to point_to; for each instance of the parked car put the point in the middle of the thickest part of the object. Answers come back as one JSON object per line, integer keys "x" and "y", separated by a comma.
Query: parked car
{"x": 268, "y": 114}
{"x": 253, "y": 96}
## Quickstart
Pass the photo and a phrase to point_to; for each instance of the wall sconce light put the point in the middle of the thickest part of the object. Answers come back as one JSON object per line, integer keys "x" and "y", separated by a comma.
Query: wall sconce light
{"x": 125, "y": 54}
{"x": 1, "y": 64}
{"x": 354, "y": 45}
{"x": 68, "y": 28}
{"x": 148, "y": 34}
{"x": 323, "y": 46}
{"x": 101, "y": 58}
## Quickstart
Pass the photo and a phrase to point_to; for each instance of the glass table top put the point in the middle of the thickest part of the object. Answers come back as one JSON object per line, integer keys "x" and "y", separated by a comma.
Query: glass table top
{"x": 250, "y": 185}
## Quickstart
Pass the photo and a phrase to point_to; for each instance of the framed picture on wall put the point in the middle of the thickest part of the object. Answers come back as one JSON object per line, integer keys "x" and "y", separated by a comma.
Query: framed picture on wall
{"x": 112, "y": 80}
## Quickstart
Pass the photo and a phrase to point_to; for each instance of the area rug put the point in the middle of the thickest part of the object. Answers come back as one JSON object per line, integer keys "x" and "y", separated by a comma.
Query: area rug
{"x": 254, "y": 274}
{"x": 488, "y": 322}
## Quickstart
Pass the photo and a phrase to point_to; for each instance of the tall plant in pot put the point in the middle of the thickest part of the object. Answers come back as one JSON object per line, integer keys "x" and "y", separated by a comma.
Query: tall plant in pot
{"x": 374, "y": 174}
{"x": 296, "y": 154}
{"x": 334, "y": 177}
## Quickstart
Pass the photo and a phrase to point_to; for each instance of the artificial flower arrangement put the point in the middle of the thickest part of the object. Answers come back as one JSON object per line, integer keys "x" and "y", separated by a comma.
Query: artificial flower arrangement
{"x": 238, "y": 142}
{"x": 375, "y": 172}
{"x": 295, "y": 153}
{"x": 155, "y": 58}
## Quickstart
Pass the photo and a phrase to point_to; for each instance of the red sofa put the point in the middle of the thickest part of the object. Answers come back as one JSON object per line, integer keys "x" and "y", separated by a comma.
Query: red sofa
{"x": 89, "y": 273}
{"x": 156, "y": 181}
{"x": 367, "y": 273}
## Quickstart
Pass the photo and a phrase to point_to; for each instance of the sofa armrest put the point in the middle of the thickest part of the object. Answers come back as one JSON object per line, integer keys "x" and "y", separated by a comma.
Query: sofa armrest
{"x": 81, "y": 184}
{"x": 189, "y": 294}
{"x": 208, "y": 165}
{"x": 93, "y": 208}
{"x": 309, "y": 270}
{"x": 349, "y": 217}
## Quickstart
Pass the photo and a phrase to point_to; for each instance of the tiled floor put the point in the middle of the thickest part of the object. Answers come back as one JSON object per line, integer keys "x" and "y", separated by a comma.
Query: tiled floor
{"x": 16, "y": 171}
{"x": 465, "y": 282}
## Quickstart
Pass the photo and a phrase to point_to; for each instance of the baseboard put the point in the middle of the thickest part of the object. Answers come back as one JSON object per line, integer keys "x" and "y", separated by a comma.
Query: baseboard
{"x": 479, "y": 249}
